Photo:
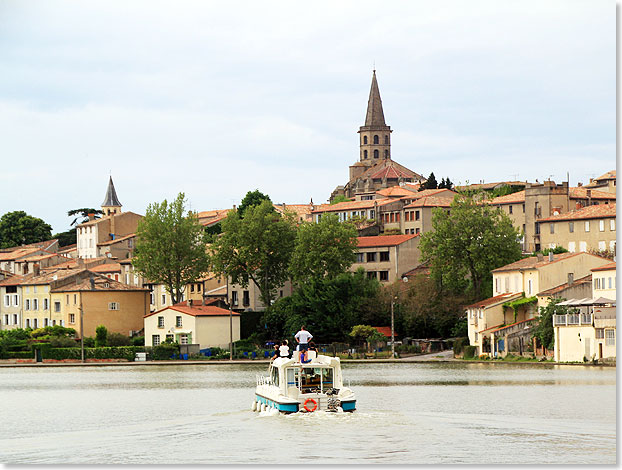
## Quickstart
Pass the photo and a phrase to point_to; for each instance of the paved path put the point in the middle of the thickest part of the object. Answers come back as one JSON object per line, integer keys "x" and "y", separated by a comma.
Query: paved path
{"x": 443, "y": 356}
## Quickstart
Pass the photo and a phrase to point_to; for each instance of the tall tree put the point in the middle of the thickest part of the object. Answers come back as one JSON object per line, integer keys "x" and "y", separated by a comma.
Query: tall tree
{"x": 325, "y": 249}
{"x": 255, "y": 248}
{"x": 430, "y": 183}
{"x": 18, "y": 228}
{"x": 170, "y": 246}
{"x": 467, "y": 243}
{"x": 252, "y": 198}
{"x": 83, "y": 215}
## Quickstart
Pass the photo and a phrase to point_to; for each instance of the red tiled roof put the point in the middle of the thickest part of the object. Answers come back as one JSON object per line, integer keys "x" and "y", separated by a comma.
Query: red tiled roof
{"x": 351, "y": 205}
{"x": 430, "y": 201}
{"x": 581, "y": 193}
{"x": 606, "y": 267}
{"x": 385, "y": 330}
{"x": 514, "y": 198}
{"x": 490, "y": 328}
{"x": 117, "y": 240}
{"x": 396, "y": 191}
{"x": 106, "y": 268}
{"x": 554, "y": 290}
{"x": 513, "y": 324}
{"x": 19, "y": 253}
{"x": 494, "y": 300}
{"x": 532, "y": 262}
{"x": 197, "y": 311}
{"x": 599, "y": 211}
{"x": 384, "y": 240}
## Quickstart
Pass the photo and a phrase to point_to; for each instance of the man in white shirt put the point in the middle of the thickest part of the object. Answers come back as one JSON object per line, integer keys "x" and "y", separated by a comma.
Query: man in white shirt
{"x": 303, "y": 337}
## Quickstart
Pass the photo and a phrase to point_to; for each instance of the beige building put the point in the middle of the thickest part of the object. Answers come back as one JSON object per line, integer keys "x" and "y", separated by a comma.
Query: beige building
{"x": 589, "y": 228}
{"x": 11, "y": 304}
{"x": 588, "y": 332}
{"x": 418, "y": 215}
{"x": 387, "y": 257}
{"x": 206, "y": 325}
{"x": 606, "y": 182}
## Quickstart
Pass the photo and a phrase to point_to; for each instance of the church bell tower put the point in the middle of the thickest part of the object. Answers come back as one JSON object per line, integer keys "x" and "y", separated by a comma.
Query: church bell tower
{"x": 375, "y": 135}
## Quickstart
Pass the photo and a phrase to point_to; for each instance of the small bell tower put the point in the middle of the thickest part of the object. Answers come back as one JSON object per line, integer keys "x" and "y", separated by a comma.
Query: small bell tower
{"x": 111, "y": 204}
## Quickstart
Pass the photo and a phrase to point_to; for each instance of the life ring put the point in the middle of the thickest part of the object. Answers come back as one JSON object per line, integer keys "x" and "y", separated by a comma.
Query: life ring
{"x": 314, "y": 405}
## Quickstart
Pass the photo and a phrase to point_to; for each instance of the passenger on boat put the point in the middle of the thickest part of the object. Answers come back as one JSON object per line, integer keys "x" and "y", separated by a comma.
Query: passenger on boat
{"x": 303, "y": 337}
{"x": 312, "y": 347}
{"x": 284, "y": 349}
{"x": 276, "y": 352}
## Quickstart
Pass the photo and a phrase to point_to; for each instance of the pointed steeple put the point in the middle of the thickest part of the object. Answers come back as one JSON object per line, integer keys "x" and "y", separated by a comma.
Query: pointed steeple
{"x": 375, "y": 115}
{"x": 111, "y": 202}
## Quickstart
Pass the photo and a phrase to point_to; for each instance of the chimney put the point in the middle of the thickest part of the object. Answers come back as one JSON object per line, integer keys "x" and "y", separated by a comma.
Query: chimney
{"x": 579, "y": 184}
{"x": 91, "y": 216}
{"x": 189, "y": 302}
{"x": 36, "y": 269}
{"x": 551, "y": 256}
{"x": 540, "y": 257}
{"x": 570, "y": 279}
{"x": 80, "y": 262}
{"x": 92, "y": 279}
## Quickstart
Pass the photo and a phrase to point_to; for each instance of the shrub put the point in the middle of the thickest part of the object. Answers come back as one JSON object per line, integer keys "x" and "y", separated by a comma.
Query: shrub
{"x": 164, "y": 351}
{"x": 469, "y": 352}
{"x": 118, "y": 339}
{"x": 459, "y": 345}
{"x": 63, "y": 342}
{"x": 138, "y": 341}
{"x": 101, "y": 336}
{"x": 89, "y": 342}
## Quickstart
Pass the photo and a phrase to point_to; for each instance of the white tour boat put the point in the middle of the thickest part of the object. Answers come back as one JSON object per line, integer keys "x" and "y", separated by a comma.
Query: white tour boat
{"x": 306, "y": 383}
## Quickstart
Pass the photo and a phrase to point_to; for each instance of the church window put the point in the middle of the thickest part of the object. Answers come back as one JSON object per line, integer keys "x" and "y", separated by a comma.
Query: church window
{"x": 376, "y": 139}
{"x": 386, "y": 140}
{"x": 376, "y": 153}
{"x": 386, "y": 154}
{"x": 364, "y": 153}
{"x": 364, "y": 139}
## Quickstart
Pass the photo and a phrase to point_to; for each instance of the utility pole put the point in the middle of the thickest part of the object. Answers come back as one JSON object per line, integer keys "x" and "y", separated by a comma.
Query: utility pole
{"x": 81, "y": 329}
{"x": 392, "y": 329}
{"x": 230, "y": 322}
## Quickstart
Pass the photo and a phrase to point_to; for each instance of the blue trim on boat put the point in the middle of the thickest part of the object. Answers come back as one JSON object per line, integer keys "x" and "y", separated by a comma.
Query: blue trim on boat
{"x": 284, "y": 407}
{"x": 348, "y": 405}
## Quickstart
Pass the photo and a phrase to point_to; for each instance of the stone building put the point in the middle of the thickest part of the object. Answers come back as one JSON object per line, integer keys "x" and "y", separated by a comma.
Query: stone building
{"x": 375, "y": 169}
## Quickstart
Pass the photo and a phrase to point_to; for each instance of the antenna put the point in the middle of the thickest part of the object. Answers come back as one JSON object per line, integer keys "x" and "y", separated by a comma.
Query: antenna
{"x": 515, "y": 177}
{"x": 374, "y": 65}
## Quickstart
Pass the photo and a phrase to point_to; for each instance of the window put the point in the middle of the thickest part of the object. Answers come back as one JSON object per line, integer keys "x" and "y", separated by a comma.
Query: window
{"x": 67, "y": 299}
{"x": 571, "y": 227}
{"x": 163, "y": 299}
{"x": 6, "y": 319}
{"x": 601, "y": 225}
{"x": 27, "y": 304}
{"x": 371, "y": 274}
{"x": 612, "y": 224}
{"x": 597, "y": 283}
{"x": 392, "y": 217}
{"x": 600, "y": 333}
{"x": 72, "y": 318}
{"x": 191, "y": 287}
{"x": 587, "y": 225}
{"x": 155, "y": 340}
{"x": 183, "y": 339}
{"x": 376, "y": 153}
{"x": 384, "y": 275}
{"x": 386, "y": 154}
{"x": 246, "y": 298}
{"x": 384, "y": 256}
{"x": 529, "y": 287}
{"x": 364, "y": 153}
{"x": 160, "y": 322}
{"x": 34, "y": 289}
{"x": 46, "y": 304}
{"x": 602, "y": 246}
{"x": 510, "y": 208}
{"x": 610, "y": 337}
{"x": 35, "y": 323}
{"x": 7, "y": 300}
{"x": 376, "y": 140}
{"x": 113, "y": 305}
{"x": 35, "y": 304}
{"x": 57, "y": 306}
{"x": 552, "y": 228}
{"x": 371, "y": 257}
{"x": 178, "y": 321}
{"x": 15, "y": 318}
{"x": 364, "y": 139}
{"x": 75, "y": 299}
{"x": 360, "y": 257}
{"x": 609, "y": 283}
{"x": 234, "y": 297}
{"x": 583, "y": 246}
{"x": 416, "y": 230}
{"x": 198, "y": 287}
{"x": 481, "y": 313}
{"x": 46, "y": 322}
{"x": 416, "y": 215}
{"x": 27, "y": 322}
{"x": 523, "y": 208}
{"x": 572, "y": 247}
{"x": 386, "y": 140}
{"x": 170, "y": 338}
{"x": 16, "y": 298}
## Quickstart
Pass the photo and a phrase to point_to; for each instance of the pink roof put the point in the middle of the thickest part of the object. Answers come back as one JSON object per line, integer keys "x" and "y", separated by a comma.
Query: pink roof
{"x": 599, "y": 211}
{"x": 384, "y": 240}
{"x": 606, "y": 267}
{"x": 197, "y": 311}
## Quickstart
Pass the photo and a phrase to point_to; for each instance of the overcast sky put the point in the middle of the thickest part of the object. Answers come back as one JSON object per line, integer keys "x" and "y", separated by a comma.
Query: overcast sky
{"x": 218, "y": 98}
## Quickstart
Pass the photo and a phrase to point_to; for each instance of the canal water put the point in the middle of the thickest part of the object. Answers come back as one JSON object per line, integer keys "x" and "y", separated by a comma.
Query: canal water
{"x": 408, "y": 413}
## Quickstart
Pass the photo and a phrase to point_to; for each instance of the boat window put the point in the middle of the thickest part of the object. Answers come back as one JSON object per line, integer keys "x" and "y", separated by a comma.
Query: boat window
{"x": 316, "y": 378}
{"x": 292, "y": 378}
{"x": 274, "y": 376}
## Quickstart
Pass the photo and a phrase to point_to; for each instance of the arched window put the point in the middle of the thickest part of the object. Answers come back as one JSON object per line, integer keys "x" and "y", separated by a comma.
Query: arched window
{"x": 376, "y": 140}
{"x": 386, "y": 154}
{"x": 376, "y": 153}
{"x": 386, "y": 140}
{"x": 364, "y": 153}
{"x": 364, "y": 139}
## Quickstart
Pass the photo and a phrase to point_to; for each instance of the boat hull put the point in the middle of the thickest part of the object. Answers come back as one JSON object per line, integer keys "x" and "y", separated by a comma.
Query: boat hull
{"x": 348, "y": 406}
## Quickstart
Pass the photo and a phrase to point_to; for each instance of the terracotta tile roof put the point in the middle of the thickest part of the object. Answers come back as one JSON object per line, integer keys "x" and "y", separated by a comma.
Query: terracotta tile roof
{"x": 490, "y": 328}
{"x": 371, "y": 172}
{"x": 606, "y": 267}
{"x": 44, "y": 245}
{"x": 599, "y": 211}
{"x": 532, "y": 262}
{"x": 198, "y": 311}
{"x": 14, "y": 280}
{"x": 117, "y": 240}
{"x": 514, "y": 198}
{"x": 73, "y": 263}
{"x": 384, "y": 240}
{"x": 385, "y": 330}
{"x": 485, "y": 186}
{"x": 495, "y": 300}
{"x": 443, "y": 192}
{"x": 351, "y": 205}
{"x": 396, "y": 191}
{"x": 106, "y": 268}
{"x": 63, "y": 249}
{"x": 212, "y": 217}
{"x": 19, "y": 253}
{"x": 581, "y": 193}
{"x": 107, "y": 217}
{"x": 422, "y": 268}
{"x": 100, "y": 283}
{"x": 610, "y": 175}
{"x": 47, "y": 276}
{"x": 512, "y": 324}
{"x": 555, "y": 290}
{"x": 413, "y": 186}
{"x": 41, "y": 257}
{"x": 430, "y": 201}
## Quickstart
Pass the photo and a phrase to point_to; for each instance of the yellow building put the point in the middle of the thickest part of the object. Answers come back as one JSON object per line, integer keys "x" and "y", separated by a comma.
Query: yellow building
{"x": 206, "y": 325}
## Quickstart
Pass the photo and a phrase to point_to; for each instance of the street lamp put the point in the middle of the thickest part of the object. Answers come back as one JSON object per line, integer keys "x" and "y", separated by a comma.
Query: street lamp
{"x": 230, "y": 323}
{"x": 393, "y": 298}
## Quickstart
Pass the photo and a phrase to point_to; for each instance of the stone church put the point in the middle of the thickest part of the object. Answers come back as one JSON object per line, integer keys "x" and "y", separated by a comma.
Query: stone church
{"x": 375, "y": 169}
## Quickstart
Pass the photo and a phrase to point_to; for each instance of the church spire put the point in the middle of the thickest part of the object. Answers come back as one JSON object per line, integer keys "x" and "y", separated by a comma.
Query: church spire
{"x": 375, "y": 116}
{"x": 111, "y": 202}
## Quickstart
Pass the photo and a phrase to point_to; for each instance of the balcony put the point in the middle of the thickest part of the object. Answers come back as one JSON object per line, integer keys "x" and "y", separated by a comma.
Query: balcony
{"x": 573, "y": 319}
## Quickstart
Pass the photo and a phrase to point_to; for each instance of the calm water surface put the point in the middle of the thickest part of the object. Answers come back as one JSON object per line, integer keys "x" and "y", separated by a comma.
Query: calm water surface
{"x": 407, "y": 413}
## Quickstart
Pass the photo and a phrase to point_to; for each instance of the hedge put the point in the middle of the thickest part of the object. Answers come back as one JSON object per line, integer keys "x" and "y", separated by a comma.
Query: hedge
{"x": 469, "y": 352}
{"x": 119, "y": 352}
{"x": 460, "y": 344}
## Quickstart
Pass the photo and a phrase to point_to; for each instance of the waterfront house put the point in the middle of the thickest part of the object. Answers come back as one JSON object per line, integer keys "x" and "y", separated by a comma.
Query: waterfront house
{"x": 206, "y": 325}
{"x": 387, "y": 257}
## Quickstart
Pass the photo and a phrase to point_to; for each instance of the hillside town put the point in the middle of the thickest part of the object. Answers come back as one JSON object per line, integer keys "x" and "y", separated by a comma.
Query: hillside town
{"x": 567, "y": 238}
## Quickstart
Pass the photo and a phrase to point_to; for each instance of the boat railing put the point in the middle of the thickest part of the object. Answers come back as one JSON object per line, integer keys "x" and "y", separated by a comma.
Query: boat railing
{"x": 263, "y": 380}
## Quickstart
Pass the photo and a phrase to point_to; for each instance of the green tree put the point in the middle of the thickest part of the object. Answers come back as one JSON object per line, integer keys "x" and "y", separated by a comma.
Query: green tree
{"x": 66, "y": 238}
{"x": 430, "y": 183}
{"x": 323, "y": 249}
{"x": 467, "y": 243}
{"x": 544, "y": 328}
{"x": 101, "y": 336}
{"x": 18, "y": 228}
{"x": 252, "y": 198}
{"x": 170, "y": 246}
{"x": 340, "y": 198}
{"x": 329, "y": 308}
{"x": 82, "y": 215}
{"x": 257, "y": 248}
